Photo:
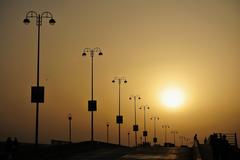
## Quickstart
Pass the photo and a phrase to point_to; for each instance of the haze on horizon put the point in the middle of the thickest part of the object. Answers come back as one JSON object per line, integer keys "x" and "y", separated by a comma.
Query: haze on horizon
{"x": 155, "y": 44}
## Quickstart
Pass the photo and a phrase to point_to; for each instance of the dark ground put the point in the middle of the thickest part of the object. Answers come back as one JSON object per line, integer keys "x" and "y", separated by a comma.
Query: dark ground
{"x": 100, "y": 150}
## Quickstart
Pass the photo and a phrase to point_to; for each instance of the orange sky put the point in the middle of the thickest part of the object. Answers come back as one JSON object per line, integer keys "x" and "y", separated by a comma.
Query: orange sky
{"x": 191, "y": 44}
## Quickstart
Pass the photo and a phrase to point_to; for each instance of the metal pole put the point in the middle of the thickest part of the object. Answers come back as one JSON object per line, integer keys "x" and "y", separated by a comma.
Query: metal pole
{"x": 154, "y": 127}
{"x": 119, "y": 125}
{"x": 70, "y": 130}
{"x": 107, "y": 132}
{"x": 145, "y": 138}
{"x": 165, "y": 134}
{"x": 38, "y": 70}
{"x": 128, "y": 139}
{"x": 92, "y": 54}
{"x": 174, "y": 138}
{"x": 135, "y": 112}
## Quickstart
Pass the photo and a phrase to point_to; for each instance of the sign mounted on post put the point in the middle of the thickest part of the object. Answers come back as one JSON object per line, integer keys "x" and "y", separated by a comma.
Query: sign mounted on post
{"x": 145, "y": 133}
{"x": 37, "y": 94}
{"x": 135, "y": 127}
{"x": 92, "y": 105}
{"x": 119, "y": 119}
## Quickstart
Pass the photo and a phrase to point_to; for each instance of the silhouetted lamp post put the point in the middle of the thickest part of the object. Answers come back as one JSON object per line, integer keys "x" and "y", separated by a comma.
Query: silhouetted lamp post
{"x": 165, "y": 127}
{"x": 119, "y": 117}
{"x": 186, "y": 141}
{"x": 92, "y": 104}
{"x": 70, "y": 127}
{"x": 135, "y": 126}
{"x": 128, "y": 139}
{"x": 107, "y": 131}
{"x": 174, "y": 136}
{"x": 154, "y": 123}
{"x": 182, "y": 139}
{"x": 145, "y": 133}
{"x": 37, "y": 92}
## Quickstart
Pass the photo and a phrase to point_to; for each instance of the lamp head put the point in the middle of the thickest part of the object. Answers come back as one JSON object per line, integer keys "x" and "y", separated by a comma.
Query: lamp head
{"x": 84, "y": 54}
{"x": 139, "y": 97}
{"x": 100, "y": 53}
{"x": 113, "y": 81}
{"x": 125, "y": 81}
{"x": 52, "y": 21}
{"x": 130, "y": 98}
{"x": 26, "y": 21}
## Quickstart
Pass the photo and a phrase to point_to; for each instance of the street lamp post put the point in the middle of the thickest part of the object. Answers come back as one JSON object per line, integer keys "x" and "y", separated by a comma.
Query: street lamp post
{"x": 37, "y": 92}
{"x": 92, "y": 104}
{"x": 135, "y": 126}
{"x": 181, "y": 138}
{"x": 174, "y": 136}
{"x": 70, "y": 127}
{"x": 107, "y": 131}
{"x": 119, "y": 117}
{"x": 154, "y": 123}
{"x": 128, "y": 139}
{"x": 165, "y": 127}
{"x": 186, "y": 141}
{"x": 145, "y": 133}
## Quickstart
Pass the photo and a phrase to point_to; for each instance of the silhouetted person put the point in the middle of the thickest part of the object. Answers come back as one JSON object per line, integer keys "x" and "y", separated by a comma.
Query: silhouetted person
{"x": 224, "y": 148}
{"x": 205, "y": 140}
{"x": 9, "y": 145}
{"x": 214, "y": 144}
{"x": 196, "y": 139}
{"x": 14, "y": 147}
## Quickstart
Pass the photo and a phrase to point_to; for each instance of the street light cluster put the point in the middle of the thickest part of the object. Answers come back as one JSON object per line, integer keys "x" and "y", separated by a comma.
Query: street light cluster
{"x": 37, "y": 92}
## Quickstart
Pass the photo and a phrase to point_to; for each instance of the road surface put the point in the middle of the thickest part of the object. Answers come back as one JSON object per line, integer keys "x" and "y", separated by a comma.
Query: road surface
{"x": 156, "y": 153}
{"x": 160, "y": 153}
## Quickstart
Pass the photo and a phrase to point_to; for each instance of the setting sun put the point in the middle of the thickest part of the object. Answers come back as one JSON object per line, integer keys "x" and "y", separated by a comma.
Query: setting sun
{"x": 172, "y": 97}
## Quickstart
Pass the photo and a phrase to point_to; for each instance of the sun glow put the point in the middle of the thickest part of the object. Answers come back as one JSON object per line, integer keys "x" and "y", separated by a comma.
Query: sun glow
{"x": 172, "y": 97}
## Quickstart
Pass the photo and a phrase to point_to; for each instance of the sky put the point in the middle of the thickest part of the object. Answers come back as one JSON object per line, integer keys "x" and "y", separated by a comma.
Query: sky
{"x": 155, "y": 44}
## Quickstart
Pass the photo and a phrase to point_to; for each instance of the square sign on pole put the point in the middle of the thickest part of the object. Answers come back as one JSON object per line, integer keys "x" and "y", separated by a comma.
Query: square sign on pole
{"x": 145, "y": 133}
{"x": 119, "y": 119}
{"x": 155, "y": 139}
{"x": 37, "y": 94}
{"x": 92, "y": 105}
{"x": 135, "y": 127}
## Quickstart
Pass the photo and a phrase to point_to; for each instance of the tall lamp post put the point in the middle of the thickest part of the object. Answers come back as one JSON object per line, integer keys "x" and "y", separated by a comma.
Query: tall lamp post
{"x": 119, "y": 117}
{"x": 37, "y": 92}
{"x": 92, "y": 104}
{"x": 107, "y": 131}
{"x": 182, "y": 138}
{"x": 70, "y": 127}
{"x": 165, "y": 126}
{"x": 174, "y": 136}
{"x": 145, "y": 133}
{"x": 135, "y": 126}
{"x": 154, "y": 123}
{"x": 128, "y": 139}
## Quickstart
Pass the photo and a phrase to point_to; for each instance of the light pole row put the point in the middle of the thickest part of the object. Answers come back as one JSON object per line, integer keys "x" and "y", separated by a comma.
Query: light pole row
{"x": 37, "y": 92}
